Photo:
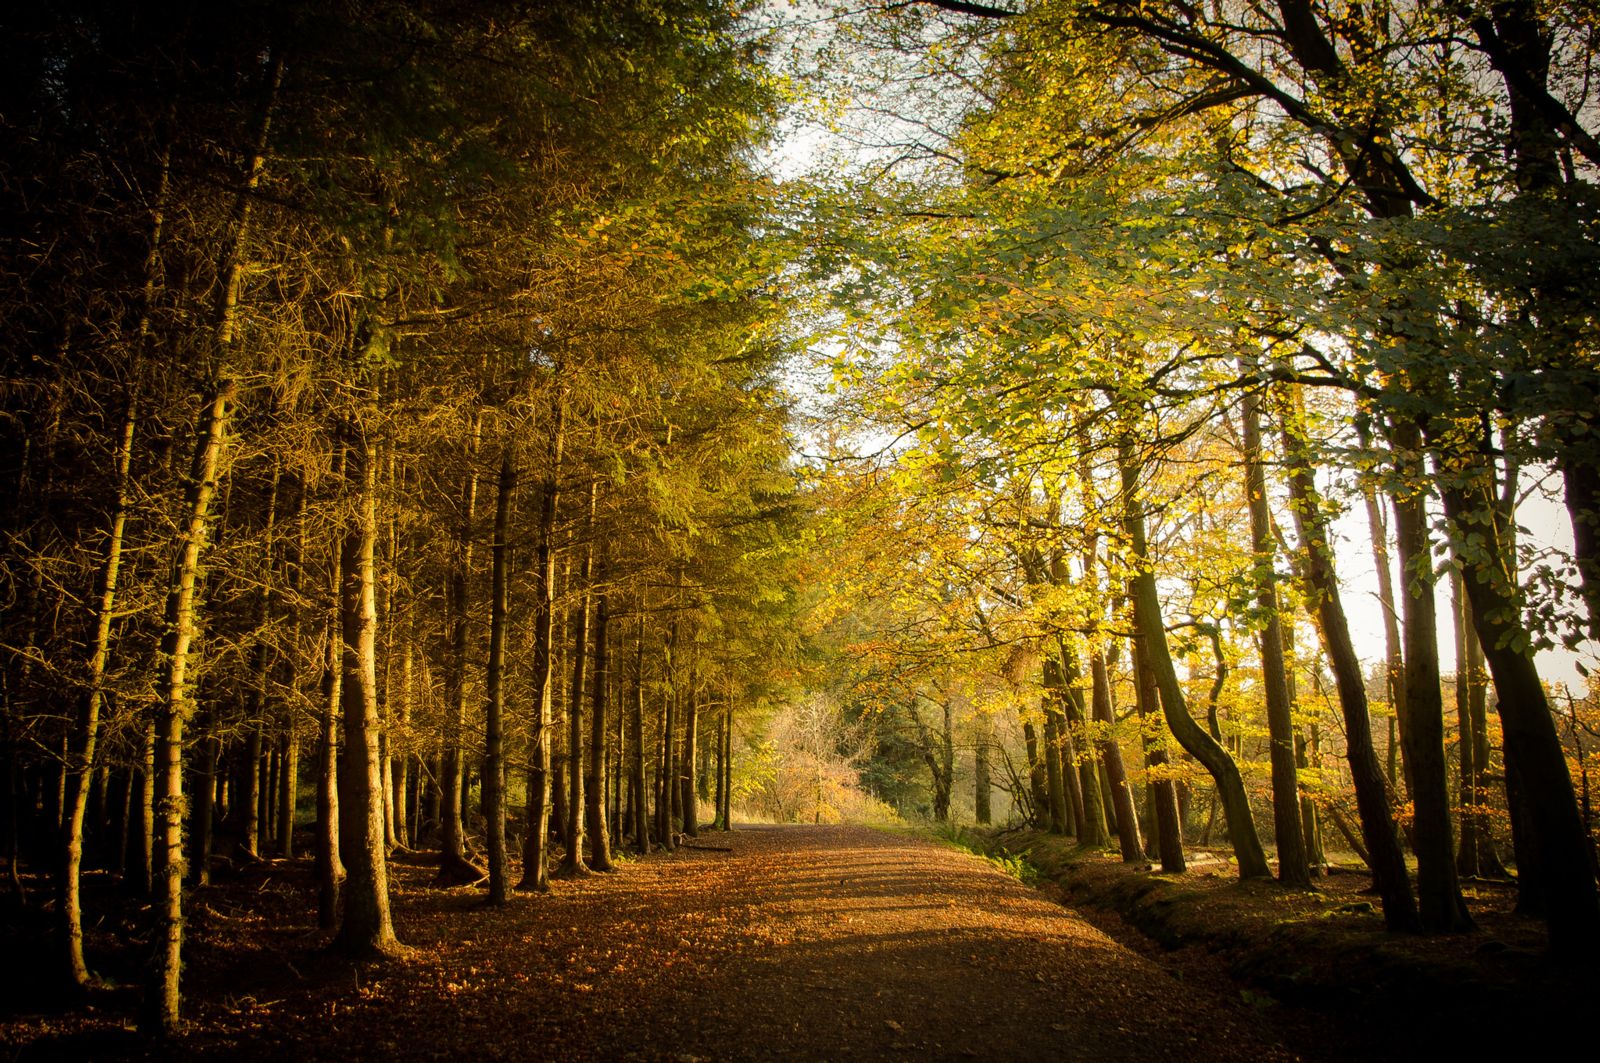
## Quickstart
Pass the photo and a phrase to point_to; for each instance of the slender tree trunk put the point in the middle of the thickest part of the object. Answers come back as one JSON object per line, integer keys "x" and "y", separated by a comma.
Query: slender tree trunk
{"x": 1163, "y": 794}
{"x": 144, "y": 875}
{"x": 595, "y": 784}
{"x": 1055, "y": 777}
{"x": 573, "y": 863}
{"x": 982, "y": 783}
{"x": 691, "y": 742}
{"x": 161, "y": 1005}
{"x": 1111, "y": 756}
{"x": 1466, "y": 746}
{"x": 636, "y": 779}
{"x": 664, "y": 789}
{"x": 1194, "y": 739}
{"x": 1080, "y": 771}
{"x": 1037, "y": 776}
{"x": 535, "y": 850}
{"x": 1438, "y": 891}
{"x": 1394, "y": 657}
{"x": 1293, "y": 868}
{"x": 203, "y": 813}
{"x": 330, "y": 872}
{"x": 87, "y": 732}
{"x": 494, "y": 767}
{"x": 366, "y": 929}
{"x": 1581, "y": 483}
{"x": 454, "y": 864}
{"x": 1373, "y": 803}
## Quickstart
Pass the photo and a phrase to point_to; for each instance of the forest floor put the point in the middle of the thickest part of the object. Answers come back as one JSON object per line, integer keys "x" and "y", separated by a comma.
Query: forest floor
{"x": 769, "y": 943}
{"x": 1318, "y": 963}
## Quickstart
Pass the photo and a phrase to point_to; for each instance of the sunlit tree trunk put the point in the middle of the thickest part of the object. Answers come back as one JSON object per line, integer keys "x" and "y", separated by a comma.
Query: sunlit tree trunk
{"x": 494, "y": 768}
{"x": 1373, "y": 803}
{"x": 691, "y": 741}
{"x": 366, "y": 928}
{"x": 636, "y": 772}
{"x": 161, "y": 1007}
{"x": 87, "y": 731}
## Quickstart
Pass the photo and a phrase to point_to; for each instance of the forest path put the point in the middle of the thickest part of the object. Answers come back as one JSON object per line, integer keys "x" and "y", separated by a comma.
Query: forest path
{"x": 769, "y": 943}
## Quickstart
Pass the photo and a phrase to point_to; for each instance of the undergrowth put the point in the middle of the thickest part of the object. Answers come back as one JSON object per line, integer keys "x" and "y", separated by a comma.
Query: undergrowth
{"x": 959, "y": 837}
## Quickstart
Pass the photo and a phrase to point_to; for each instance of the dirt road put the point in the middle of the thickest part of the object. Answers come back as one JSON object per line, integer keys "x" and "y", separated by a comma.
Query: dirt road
{"x": 798, "y": 943}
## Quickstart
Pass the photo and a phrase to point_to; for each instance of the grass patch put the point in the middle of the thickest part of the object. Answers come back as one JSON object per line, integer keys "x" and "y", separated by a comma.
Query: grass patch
{"x": 958, "y": 837}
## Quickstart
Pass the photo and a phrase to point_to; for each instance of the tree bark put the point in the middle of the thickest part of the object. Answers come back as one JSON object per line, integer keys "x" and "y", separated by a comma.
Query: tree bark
{"x": 1439, "y": 901}
{"x": 1293, "y": 868}
{"x": 691, "y": 741}
{"x": 162, "y": 1001}
{"x": 573, "y": 863}
{"x": 366, "y": 928}
{"x": 330, "y": 872}
{"x": 1111, "y": 757}
{"x": 455, "y": 867}
{"x": 595, "y": 784}
{"x": 636, "y": 773}
{"x": 494, "y": 766}
{"x": 87, "y": 732}
{"x": 1163, "y": 794}
{"x": 1557, "y": 844}
{"x": 535, "y": 847}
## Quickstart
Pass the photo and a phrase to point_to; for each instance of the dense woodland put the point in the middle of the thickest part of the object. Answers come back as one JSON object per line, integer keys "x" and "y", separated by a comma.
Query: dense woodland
{"x": 406, "y": 445}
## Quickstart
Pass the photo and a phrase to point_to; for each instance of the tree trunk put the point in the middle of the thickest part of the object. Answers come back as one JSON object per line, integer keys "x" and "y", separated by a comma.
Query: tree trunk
{"x": 455, "y": 866}
{"x": 1111, "y": 757}
{"x": 1080, "y": 771}
{"x": 595, "y": 784}
{"x": 535, "y": 847}
{"x": 664, "y": 789}
{"x": 573, "y": 863}
{"x": 329, "y": 860}
{"x": 1438, "y": 891}
{"x": 201, "y": 816}
{"x": 1163, "y": 794}
{"x": 494, "y": 767}
{"x": 87, "y": 732}
{"x": 366, "y": 929}
{"x": 636, "y": 773}
{"x": 1200, "y": 745}
{"x": 1055, "y": 777}
{"x": 161, "y": 1005}
{"x": 1373, "y": 803}
{"x": 691, "y": 741}
{"x": 1557, "y": 844}
{"x": 1394, "y": 657}
{"x": 1581, "y": 490}
{"x": 1037, "y": 775}
{"x": 982, "y": 784}
{"x": 1293, "y": 868}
